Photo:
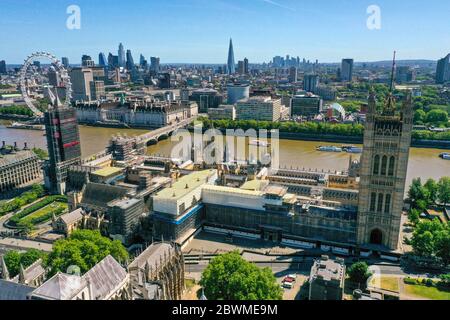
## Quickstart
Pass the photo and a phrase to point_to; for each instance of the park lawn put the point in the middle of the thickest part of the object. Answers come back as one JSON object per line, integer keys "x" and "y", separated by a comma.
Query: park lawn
{"x": 421, "y": 291}
{"x": 44, "y": 211}
{"x": 386, "y": 283}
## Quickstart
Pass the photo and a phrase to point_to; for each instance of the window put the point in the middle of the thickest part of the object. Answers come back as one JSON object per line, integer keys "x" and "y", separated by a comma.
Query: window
{"x": 376, "y": 165}
{"x": 373, "y": 198}
{"x": 384, "y": 165}
{"x": 391, "y": 166}
{"x": 387, "y": 204}
{"x": 380, "y": 203}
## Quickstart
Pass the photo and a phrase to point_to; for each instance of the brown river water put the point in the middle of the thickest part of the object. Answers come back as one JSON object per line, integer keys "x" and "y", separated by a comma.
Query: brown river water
{"x": 424, "y": 163}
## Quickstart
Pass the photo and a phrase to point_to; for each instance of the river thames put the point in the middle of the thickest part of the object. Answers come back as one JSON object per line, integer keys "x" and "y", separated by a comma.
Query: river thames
{"x": 424, "y": 163}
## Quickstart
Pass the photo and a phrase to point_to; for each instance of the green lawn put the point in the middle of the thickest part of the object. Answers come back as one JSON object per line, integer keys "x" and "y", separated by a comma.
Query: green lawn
{"x": 44, "y": 211}
{"x": 386, "y": 283}
{"x": 420, "y": 291}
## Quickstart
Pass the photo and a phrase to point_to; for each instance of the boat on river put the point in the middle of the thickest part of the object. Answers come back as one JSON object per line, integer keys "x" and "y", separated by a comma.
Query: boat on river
{"x": 329, "y": 149}
{"x": 445, "y": 156}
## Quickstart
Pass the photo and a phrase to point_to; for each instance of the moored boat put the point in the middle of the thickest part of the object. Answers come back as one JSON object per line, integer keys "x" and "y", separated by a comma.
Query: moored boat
{"x": 329, "y": 149}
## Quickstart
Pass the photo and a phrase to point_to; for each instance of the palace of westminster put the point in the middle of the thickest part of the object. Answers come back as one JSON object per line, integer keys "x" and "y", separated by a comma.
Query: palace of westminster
{"x": 138, "y": 198}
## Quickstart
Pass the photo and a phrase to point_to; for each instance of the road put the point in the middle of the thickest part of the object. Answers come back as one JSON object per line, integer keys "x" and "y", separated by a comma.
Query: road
{"x": 299, "y": 267}
{"x": 7, "y": 244}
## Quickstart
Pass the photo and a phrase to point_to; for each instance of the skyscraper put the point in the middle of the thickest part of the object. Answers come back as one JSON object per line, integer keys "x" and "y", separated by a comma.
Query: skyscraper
{"x": 63, "y": 143}
{"x": 246, "y": 69}
{"x": 142, "y": 61}
{"x": 130, "y": 61}
{"x": 102, "y": 60}
{"x": 54, "y": 78}
{"x": 443, "y": 70}
{"x": 121, "y": 55}
{"x": 87, "y": 61}
{"x": 81, "y": 79}
{"x": 154, "y": 64}
{"x": 292, "y": 74}
{"x": 347, "y": 70}
{"x": 310, "y": 82}
{"x": 240, "y": 68}
{"x": 231, "y": 65}
{"x": 2, "y": 67}
{"x": 113, "y": 61}
{"x": 65, "y": 62}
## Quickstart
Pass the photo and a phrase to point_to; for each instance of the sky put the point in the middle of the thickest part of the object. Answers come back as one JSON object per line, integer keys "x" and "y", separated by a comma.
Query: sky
{"x": 198, "y": 31}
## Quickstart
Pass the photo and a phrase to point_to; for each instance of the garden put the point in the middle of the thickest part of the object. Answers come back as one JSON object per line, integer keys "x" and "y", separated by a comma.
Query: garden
{"x": 427, "y": 288}
{"x": 39, "y": 212}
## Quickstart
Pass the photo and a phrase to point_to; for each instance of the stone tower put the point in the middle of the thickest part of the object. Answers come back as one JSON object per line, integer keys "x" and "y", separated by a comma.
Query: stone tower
{"x": 384, "y": 162}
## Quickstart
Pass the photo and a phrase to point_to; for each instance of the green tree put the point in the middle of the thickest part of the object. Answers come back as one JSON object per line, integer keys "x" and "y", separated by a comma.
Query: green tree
{"x": 419, "y": 116}
{"x": 437, "y": 116}
{"x": 445, "y": 280}
{"x": 14, "y": 259}
{"x": 359, "y": 272}
{"x": 84, "y": 248}
{"x": 442, "y": 244}
{"x": 417, "y": 193}
{"x": 444, "y": 190}
{"x": 432, "y": 188}
{"x": 414, "y": 216}
{"x": 425, "y": 237}
{"x": 230, "y": 277}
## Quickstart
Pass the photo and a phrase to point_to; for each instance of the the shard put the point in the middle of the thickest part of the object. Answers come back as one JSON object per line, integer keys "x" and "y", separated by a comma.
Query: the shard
{"x": 231, "y": 65}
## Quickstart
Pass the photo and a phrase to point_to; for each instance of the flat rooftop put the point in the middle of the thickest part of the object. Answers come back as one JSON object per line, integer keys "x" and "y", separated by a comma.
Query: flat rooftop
{"x": 328, "y": 269}
{"x": 108, "y": 171}
{"x": 185, "y": 184}
{"x": 255, "y": 185}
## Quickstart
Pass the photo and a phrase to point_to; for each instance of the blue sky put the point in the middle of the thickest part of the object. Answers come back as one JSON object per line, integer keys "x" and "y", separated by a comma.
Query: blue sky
{"x": 198, "y": 31}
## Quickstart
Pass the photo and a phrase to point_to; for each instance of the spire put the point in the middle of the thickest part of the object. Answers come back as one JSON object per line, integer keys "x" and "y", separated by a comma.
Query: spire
{"x": 22, "y": 274}
{"x": 231, "y": 65}
{"x": 5, "y": 272}
{"x": 389, "y": 107}
{"x": 393, "y": 73}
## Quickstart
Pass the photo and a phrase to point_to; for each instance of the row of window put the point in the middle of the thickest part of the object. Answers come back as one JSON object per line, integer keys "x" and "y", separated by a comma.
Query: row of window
{"x": 384, "y": 165}
{"x": 377, "y": 201}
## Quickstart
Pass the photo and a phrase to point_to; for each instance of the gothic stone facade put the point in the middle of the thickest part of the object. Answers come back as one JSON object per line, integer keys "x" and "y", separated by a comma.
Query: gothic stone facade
{"x": 161, "y": 264}
{"x": 384, "y": 163}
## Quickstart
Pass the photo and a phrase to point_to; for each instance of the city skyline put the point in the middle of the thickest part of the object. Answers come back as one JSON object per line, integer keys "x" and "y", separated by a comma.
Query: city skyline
{"x": 296, "y": 28}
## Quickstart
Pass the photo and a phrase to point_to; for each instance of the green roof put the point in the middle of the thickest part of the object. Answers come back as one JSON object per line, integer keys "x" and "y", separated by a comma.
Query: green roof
{"x": 109, "y": 171}
{"x": 11, "y": 95}
{"x": 255, "y": 185}
{"x": 185, "y": 184}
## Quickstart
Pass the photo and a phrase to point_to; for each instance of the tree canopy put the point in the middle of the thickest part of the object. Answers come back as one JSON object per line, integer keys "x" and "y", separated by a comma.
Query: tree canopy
{"x": 14, "y": 259}
{"x": 230, "y": 277}
{"x": 84, "y": 249}
{"x": 432, "y": 239}
{"x": 430, "y": 193}
{"x": 359, "y": 272}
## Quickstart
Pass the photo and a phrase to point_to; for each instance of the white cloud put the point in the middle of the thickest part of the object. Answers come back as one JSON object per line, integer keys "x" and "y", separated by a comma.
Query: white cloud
{"x": 277, "y": 4}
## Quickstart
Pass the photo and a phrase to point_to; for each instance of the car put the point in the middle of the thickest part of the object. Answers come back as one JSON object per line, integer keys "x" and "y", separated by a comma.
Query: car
{"x": 289, "y": 279}
{"x": 288, "y": 285}
{"x": 293, "y": 276}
